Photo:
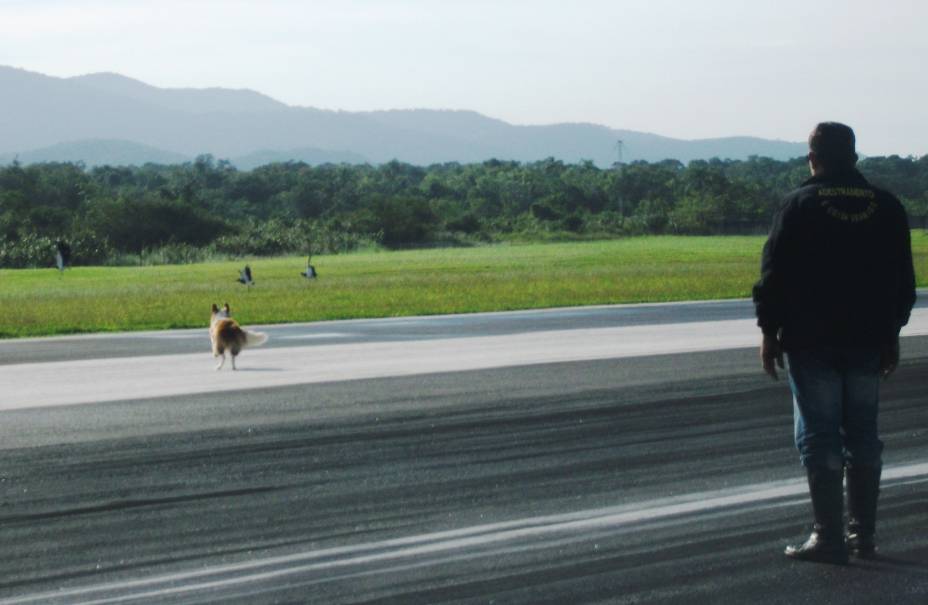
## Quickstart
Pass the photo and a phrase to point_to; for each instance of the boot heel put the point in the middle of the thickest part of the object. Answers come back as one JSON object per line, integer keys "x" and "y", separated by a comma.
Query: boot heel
{"x": 863, "y": 490}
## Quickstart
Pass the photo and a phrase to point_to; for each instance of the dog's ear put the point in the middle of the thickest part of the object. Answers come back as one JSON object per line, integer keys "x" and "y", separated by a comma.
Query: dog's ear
{"x": 215, "y": 308}
{"x": 225, "y": 307}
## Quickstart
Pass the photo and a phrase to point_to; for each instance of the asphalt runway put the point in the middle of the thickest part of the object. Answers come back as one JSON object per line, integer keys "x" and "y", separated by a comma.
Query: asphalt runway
{"x": 172, "y": 342}
{"x": 570, "y": 456}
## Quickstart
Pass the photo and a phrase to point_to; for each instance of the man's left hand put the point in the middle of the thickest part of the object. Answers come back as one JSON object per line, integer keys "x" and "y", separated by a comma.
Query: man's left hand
{"x": 771, "y": 356}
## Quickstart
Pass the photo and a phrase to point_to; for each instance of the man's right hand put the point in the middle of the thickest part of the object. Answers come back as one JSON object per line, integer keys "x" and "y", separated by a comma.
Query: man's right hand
{"x": 889, "y": 358}
{"x": 771, "y": 356}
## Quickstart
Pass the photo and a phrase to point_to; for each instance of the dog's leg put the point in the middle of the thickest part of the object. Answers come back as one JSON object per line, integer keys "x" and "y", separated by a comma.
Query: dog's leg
{"x": 222, "y": 361}
{"x": 233, "y": 363}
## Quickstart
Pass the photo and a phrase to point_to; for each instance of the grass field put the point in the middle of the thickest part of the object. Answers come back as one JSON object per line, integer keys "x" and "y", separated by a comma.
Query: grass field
{"x": 384, "y": 284}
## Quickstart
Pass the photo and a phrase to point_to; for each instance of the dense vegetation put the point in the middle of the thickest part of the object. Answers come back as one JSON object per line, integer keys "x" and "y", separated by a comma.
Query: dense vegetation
{"x": 207, "y": 208}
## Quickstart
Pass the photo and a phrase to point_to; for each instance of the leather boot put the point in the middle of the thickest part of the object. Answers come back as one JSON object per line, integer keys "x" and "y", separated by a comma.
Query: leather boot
{"x": 826, "y": 543}
{"x": 863, "y": 489}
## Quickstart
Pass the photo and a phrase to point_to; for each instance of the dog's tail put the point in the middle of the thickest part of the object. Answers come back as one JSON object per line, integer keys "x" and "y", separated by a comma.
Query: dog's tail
{"x": 255, "y": 339}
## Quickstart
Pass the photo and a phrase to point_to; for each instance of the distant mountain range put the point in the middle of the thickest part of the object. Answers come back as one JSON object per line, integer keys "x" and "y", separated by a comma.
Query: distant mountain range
{"x": 107, "y": 118}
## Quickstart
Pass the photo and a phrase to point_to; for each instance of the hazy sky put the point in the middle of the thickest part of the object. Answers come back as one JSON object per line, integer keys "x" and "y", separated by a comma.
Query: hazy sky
{"x": 681, "y": 68}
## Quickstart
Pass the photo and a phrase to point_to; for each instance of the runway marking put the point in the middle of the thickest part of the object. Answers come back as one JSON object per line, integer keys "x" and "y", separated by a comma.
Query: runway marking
{"x": 34, "y": 385}
{"x": 178, "y": 335}
{"x": 319, "y": 335}
{"x": 571, "y": 526}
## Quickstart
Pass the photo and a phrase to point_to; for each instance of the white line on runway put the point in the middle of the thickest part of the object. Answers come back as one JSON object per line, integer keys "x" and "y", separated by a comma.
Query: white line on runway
{"x": 575, "y": 526}
{"x": 199, "y": 335}
{"x": 314, "y": 336}
{"x": 34, "y": 385}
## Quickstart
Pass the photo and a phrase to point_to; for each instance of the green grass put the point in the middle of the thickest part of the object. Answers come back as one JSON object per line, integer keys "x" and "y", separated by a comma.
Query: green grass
{"x": 384, "y": 284}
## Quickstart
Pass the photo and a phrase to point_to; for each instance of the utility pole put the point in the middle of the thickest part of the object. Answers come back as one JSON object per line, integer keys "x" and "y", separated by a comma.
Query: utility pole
{"x": 619, "y": 147}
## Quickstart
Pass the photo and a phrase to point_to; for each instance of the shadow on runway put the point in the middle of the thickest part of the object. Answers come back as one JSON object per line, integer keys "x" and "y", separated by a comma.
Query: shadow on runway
{"x": 889, "y": 563}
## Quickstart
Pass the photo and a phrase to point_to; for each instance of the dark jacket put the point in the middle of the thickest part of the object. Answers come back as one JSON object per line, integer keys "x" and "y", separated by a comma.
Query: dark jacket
{"x": 837, "y": 266}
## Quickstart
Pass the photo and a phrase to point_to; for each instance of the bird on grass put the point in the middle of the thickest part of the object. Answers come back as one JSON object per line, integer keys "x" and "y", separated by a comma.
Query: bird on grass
{"x": 244, "y": 276}
{"x": 62, "y": 255}
{"x": 310, "y": 272}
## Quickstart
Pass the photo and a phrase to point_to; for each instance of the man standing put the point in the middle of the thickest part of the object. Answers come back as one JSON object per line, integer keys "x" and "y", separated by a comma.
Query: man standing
{"x": 836, "y": 286}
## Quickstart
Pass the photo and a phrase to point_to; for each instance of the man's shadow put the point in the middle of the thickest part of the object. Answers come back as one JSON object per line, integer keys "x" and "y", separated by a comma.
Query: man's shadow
{"x": 891, "y": 563}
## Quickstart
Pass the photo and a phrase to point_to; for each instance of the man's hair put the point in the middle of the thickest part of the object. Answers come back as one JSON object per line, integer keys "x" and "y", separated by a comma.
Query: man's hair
{"x": 833, "y": 145}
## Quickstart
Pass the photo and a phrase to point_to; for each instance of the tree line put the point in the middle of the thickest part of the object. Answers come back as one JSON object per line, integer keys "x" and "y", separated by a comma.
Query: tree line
{"x": 208, "y": 208}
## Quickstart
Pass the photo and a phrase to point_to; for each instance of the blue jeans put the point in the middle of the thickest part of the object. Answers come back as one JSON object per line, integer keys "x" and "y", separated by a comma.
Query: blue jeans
{"x": 836, "y": 392}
